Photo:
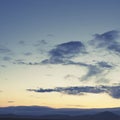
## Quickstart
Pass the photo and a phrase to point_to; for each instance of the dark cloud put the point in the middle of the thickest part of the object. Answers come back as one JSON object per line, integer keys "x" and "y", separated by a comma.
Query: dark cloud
{"x": 41, "y": 90}
{"x": 108, "y": 36}
{"x": 104, "y": 64}
{"x": 68, "y": 50}
{"x": 107, "y": 40}
{"x": 114, "y": 47}
{"x": 113, "y": 91}
{"x": 4, "y": 50}
{"x": 21, "y": 62}
{"x": 65, "y": 51}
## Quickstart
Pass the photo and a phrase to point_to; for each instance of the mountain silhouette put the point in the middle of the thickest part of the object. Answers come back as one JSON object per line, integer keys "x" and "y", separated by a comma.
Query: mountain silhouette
{"x": 99, "y": 116}
{"x": 105, "y": 116}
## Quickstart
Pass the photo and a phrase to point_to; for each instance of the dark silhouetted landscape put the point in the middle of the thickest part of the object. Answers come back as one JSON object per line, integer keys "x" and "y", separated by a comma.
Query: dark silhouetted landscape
{"x": 100, "y": 116}
{"x": 46, "y": 113}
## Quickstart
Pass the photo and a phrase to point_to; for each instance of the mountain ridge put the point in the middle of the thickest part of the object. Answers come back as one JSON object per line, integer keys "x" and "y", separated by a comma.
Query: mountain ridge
{"x": 43, "y": 110}
{"x": 106, "y": 115}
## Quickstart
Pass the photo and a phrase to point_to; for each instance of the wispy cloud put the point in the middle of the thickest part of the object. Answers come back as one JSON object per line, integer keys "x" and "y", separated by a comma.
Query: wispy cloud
{"x": 113, "y": 91}
{"x": 107, "y": 40}
{"x": 21, "y": 42}
{"x": 50, "y": 35}
{"x": 3, "y": 66}
{"x": 4, "y": 49}
{"x": 11, "y": 101}
{"x": 1, "y": 91}
{"x": 28, "y": 53}
{"x": 7, "y": 58}
{"x": 40, "y": 43}
{"x": 96, "y": 70}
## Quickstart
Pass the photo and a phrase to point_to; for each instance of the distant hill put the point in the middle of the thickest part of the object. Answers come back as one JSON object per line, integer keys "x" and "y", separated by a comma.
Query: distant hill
{"x": 99, "y": 116}
{"x": 38, "y": 111}
{"x": 105, "y": 116}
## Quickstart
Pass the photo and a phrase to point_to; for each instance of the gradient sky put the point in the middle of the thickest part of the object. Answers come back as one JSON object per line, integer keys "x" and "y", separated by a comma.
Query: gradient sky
{"x": 60, "y": 53}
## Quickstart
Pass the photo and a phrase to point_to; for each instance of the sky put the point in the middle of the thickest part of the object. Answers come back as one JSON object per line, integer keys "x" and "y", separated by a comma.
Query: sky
{"x": 60, "y": 53}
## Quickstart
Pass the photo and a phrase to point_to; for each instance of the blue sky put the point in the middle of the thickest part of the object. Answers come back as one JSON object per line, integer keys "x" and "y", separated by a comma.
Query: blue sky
{"x": 68, "y": 48}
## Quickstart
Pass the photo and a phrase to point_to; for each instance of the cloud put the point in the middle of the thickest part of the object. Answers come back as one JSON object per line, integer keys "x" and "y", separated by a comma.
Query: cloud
{"x": 6, "y": 58}
{"x": 40, "y": 42}
{"x": 96, "y": 70}
{"x": 50, "y": 35}
{"x": 115, "y": 47}
{"x": 107, "y": 40}
{"x": 11, "y": 101}
{"x": 63, "y": 54}
{"x": 108, "y": 36}
{"x": 25, "y": 63}
{"x": 113, "y": 91}
{"x": 42, "y": 90}
{"x": 65, "y": 51}
{"x": 28, "y": 54}
{"x": 104, "y": 64}
{"x": 3, "y": 66}
{"x": 68, "y": 50}
{"x": 4, "y": 50}
{"x": 92, "y": 69}
{"x": 21, "y": 42}
{"x": 70, "y": 77}
{"x": 1, "y": 91}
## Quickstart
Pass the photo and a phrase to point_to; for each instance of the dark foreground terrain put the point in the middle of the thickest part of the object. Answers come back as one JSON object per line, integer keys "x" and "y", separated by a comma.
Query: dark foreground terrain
{"x": 99, "y": 116}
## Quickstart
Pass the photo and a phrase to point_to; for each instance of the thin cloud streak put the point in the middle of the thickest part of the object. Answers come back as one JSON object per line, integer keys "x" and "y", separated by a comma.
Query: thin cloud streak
{"x": 113, "y": 91}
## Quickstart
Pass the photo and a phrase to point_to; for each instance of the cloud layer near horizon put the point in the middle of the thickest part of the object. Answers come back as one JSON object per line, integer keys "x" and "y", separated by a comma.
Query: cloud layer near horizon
{"x": 113, "y": 91}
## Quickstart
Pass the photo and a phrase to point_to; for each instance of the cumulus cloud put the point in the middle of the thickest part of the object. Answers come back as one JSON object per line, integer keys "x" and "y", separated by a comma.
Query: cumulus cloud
{"x": 65, "y": 51}
{"x": 107, "y": 40}
{"x": 113, "y": 91}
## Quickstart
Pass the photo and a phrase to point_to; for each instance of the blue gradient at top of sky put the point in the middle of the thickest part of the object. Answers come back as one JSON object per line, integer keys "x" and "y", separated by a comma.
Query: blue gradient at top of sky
{"x": 66, "y": 19}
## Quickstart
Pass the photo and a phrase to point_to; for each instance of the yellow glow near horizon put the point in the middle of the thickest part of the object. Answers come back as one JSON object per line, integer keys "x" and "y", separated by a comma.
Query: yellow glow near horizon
{"x": 57, "y": 100}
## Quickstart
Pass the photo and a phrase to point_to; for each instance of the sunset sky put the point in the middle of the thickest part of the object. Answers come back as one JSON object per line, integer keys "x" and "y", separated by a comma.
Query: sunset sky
{"x": 60, "y": 53}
